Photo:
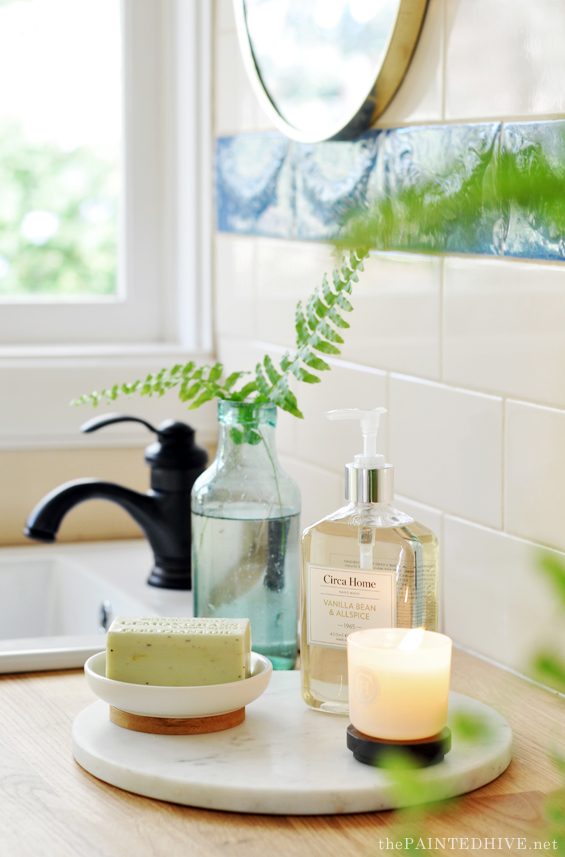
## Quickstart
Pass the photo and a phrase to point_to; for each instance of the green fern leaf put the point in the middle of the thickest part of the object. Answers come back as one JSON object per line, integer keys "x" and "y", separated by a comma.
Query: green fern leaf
{"x": 191, "y": 391}
{"x": 322, "y": 345}
{"x": 252, "y": 436}
{"x": 312, "y": 360}
{"x": 326, "y": 330}
{"x": 286, "y": 361}
{"x": 335, "y": 317}
{"x": 316, "y": 309}
{"x": 343, "y": 303}
{"x": 272, "y": 374}
{"x": 282, "y": 396}
{"x": 301, "y": 374}
{"x": 329, "y": 296}
{"x": 262, "y": 385}
{"x": 311, "y": 316}
{"x": 206, "y": 396}
{"x": 233, "y": 379}
{"x": 337, "y": 281}
{"x": 216, "y": 372}
{"x": 250, "y": 387}
{"x": 301, "y": 325}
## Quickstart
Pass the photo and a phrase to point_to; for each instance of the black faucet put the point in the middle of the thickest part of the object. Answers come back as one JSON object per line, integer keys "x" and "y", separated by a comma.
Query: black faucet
{"x": 163, "y": 513}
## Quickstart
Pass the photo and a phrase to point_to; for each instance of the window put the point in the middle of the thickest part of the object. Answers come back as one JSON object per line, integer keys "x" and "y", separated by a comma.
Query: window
{"x": 157, "y": 310}
{"x": 72, "y": 190}
{"x": 59, "y": 148}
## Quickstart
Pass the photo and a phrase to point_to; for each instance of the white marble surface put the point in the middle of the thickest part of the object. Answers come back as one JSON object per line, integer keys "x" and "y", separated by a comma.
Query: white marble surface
{"x": 284, "y": 759}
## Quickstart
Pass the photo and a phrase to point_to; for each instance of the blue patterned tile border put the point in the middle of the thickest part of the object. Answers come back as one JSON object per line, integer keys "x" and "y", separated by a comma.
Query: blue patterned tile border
{"x": 529, "y": 233}
{"x": 269, "y": 185}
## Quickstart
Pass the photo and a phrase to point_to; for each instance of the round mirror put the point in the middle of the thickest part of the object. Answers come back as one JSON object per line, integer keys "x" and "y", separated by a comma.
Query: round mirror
{"x": 326, "y": 69}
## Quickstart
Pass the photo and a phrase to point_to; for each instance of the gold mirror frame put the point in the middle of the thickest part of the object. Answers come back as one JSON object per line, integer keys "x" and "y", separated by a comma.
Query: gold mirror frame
{"x": 397, "y": 57}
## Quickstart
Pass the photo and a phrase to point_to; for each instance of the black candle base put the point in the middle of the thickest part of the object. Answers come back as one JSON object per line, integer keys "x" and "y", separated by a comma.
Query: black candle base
{"x": 375, "y": 751}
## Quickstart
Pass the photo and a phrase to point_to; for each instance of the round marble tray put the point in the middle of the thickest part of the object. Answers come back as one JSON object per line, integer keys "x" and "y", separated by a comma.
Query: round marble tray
{"x": 284, "y": 759}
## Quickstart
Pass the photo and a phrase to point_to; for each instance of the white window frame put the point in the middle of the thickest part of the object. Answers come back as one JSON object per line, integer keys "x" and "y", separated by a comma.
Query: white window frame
{"x": 52, "y": 350}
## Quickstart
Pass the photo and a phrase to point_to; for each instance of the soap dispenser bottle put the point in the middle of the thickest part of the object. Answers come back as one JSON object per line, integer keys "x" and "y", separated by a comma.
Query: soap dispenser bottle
{"x": 368, "y": 565}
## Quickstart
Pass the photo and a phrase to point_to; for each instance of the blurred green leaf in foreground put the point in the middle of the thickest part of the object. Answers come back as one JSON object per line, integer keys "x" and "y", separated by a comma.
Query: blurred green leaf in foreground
{"x": 465, "y": 206}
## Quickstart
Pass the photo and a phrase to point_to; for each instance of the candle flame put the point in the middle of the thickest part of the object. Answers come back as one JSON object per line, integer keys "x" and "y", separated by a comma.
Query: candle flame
{"x": 412, "y": 640}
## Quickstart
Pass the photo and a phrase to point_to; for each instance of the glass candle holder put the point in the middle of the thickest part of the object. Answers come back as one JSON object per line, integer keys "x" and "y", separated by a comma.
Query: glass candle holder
{"x": 398, "y": 682}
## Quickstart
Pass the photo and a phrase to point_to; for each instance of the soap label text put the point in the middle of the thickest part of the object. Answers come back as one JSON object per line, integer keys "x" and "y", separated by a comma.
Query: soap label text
{"x": 340, "y": 601}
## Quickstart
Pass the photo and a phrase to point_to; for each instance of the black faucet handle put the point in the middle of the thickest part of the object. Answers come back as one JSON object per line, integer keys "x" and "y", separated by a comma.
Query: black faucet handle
{"x": 175, "y": 448}
{"x": 99, "y": 422}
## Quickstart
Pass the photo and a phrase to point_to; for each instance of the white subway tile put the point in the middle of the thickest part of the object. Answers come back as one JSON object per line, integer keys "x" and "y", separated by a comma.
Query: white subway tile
{"x": 286, "y": 272}
{"x": 504, "y": 58}
{"x": 446, "y": 445}
{"x": 426, "y": 515}
{"x": 497, "y": 602}
{"x": 332, "y": 444}
{"x": 237, "y": 354}
{"x": 234, "y": 306}
{"x": 395, "y": 323}
{"x": 503, "y": 328}
{"x": 535, "y": 473}
{"x": 235, "y": 102}
{"x": 419, "y": 97}
{"x": 320, "y": 489}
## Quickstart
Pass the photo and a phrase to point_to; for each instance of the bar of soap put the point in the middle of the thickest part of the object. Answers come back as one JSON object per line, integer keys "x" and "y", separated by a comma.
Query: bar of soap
{"x": 177, "y": 652}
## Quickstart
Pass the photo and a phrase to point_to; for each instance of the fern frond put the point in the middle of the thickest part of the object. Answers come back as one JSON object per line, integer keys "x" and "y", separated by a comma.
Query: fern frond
{"x": 301, "y": 374}
{"x": 317, "y": 322}
{"x": 272, "y": 374}
{"x": 335, "y": 317}
{"x": 327, "y": 330}
{"x": 315, "y": 333}
{"x": 262, "y": 385}
{"x": 312, "y": 360}
{"x": 300, "y": 324}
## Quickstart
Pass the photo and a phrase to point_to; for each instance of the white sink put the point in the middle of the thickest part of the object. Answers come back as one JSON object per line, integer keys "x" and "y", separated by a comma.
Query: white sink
{"x": 53, "y": 599}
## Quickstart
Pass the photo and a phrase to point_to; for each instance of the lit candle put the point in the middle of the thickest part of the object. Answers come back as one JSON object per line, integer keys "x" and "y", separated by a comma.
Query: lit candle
{"x": 398, "y": 682}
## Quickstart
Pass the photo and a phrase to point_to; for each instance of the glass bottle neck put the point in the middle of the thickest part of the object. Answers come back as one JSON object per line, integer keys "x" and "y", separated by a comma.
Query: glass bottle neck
{"x": 247, "y": 430}
{"x": 243, "y": 440}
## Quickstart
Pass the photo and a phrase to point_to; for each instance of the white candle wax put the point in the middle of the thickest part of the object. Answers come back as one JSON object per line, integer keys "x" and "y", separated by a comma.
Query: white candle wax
{"x": 398, "y": 682}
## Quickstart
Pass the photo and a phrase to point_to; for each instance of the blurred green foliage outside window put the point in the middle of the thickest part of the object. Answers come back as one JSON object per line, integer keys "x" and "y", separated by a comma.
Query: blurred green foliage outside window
{"x": 60, "y": 118}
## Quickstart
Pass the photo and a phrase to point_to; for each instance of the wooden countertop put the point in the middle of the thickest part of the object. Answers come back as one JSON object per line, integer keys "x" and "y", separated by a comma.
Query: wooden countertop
{"x": 50, "y": 807}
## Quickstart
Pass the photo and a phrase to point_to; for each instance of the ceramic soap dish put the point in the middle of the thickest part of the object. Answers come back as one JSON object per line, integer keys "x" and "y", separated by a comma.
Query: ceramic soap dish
{"x": 178, "y": 710}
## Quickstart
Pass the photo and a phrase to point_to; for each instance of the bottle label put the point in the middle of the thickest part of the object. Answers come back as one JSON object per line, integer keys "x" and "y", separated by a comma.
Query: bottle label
{"x": 343, "y": 600}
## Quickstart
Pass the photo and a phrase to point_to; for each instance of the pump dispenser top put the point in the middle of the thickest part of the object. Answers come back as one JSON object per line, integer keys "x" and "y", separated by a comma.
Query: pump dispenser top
{"x": 368, "y": 479}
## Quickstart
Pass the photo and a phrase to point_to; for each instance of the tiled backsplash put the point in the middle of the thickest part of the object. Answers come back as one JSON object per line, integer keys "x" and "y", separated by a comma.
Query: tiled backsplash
{"x": 465, "y": 350}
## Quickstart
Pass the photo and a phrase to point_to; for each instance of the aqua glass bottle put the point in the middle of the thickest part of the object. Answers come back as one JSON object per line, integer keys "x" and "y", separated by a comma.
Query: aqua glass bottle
{"x": 245, "y": 533}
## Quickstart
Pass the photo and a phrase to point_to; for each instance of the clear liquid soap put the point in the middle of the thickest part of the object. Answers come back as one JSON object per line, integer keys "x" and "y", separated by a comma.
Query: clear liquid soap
{"x": 367, "y": 565}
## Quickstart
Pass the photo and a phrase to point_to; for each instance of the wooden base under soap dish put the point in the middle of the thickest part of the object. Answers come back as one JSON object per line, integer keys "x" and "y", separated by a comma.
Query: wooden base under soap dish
{"x": 176, "y": 725}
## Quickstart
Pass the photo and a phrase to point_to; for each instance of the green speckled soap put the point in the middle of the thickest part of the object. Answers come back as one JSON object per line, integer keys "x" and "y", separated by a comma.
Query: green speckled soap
{"x": 178, "y": 652}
